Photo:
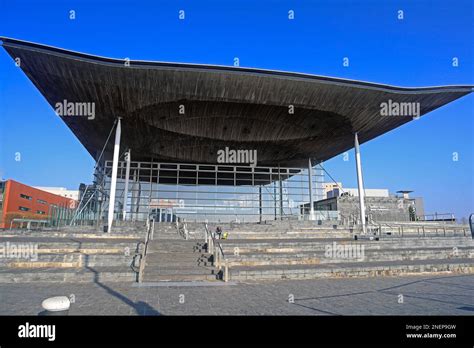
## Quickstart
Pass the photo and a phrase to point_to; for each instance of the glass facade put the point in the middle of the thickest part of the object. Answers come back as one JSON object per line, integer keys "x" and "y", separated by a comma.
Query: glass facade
{"x": 215, "y": 193}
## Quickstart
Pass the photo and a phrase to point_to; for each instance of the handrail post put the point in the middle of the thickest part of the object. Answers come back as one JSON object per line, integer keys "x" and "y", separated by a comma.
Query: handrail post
{"x": 152, "y": 229}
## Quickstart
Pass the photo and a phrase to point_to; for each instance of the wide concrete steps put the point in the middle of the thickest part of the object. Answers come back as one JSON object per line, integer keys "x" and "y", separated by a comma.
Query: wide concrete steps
{"x": 183, "y": 276}
{"x": 299, "y": 250}
{"x": 321, "y": 257}
{"x": 178, "y": 261}
{"x": 59, "y": 275}
{"x": 166, "y": 231}
{"x": 68, "y": 260}
{"x": 281, "y": 258}
{"x": 59, "y": 259}
{"x": 350, "y": 269}
{"x": 313, "y": 229}
{"x": 289, "y": 235}
{"x": 243, "y": 246}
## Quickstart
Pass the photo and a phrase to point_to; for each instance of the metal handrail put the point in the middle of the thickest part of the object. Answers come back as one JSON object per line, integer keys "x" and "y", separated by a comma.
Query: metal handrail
{"x": 217, "y": 252}
{"x": 400, "y": 225}
{"x": 438, "y": 215}
{"x": 182, "y": 230}
{"x": 150, "y": 226}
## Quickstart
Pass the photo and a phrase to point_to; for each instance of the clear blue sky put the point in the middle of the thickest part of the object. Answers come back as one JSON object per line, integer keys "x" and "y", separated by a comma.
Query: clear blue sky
{"x": 415, "y": 51}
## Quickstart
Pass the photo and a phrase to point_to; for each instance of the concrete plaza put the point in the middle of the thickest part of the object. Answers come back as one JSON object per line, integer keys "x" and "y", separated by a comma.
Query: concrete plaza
{"x": 411, "y": 295}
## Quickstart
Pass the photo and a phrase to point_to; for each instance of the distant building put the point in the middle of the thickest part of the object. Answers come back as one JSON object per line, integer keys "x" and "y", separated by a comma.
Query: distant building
{"x": 353, "y": 192}
{"x": 60, "y": 191}
{"x": 329, "y": 186}
{"x": 381, "y": 206}
{"x": 20, "y": 201}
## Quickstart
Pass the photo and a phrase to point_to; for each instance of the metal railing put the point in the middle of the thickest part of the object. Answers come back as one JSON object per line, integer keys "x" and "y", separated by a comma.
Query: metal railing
{"x": 182, "y": 229}
{"x": 422, "y": 229}
{"x": 350, "y": 220}
{"x": 437, "y": 217}
{"x": 218, "y": 257}
{"x": 29, "y": 223}
{"x": 419, "y": 228}
{"x": 150, "y": 231}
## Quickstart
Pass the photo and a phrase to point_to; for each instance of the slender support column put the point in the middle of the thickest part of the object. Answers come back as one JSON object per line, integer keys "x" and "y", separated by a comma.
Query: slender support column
{"x": 310, "y": 182}
{"x": 260, "y": 202}
{"x": 113, "y": 184}
{"x": 281, "y": 198}
{"x": 360, "y": 183}
{"x": 134, "y": 196}
{"x": 125, "y": 191}
{"x": 275, "y": 199}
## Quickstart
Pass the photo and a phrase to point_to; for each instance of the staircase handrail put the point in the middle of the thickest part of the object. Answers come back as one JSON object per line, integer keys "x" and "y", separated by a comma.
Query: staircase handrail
{"x": 214, "y": 247}
{"x": 150, "y": 229}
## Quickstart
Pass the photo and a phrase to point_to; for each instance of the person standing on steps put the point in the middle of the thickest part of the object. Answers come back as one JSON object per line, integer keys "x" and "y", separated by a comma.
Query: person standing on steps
{"x": 219, "y": 232}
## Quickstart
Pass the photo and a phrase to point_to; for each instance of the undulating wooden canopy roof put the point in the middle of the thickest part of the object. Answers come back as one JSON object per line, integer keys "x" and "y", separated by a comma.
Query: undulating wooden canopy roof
{"x": 239, "y": 108}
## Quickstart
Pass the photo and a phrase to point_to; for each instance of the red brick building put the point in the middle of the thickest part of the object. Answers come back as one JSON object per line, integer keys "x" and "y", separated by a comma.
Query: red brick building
{"x": 20, "y": 201}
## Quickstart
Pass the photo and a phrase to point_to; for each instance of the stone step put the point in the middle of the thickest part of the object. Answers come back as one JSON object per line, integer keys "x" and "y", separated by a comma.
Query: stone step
{"x": 75, "y": 234}
{"x": 183, "y": 257}
{"x": 409, "y": 228}
{"x": 73, "y": 260}
{"x": 98, "y": 274}
{"x": 257, "y": 259}
{"x": 250, "y": 233}
{"x": 177, "y": 260}
{"x": 339, "y": 270}
{"x": 166, "y": 246}
{"x": 181, "y": 278}
{"x": 186, "y": 254}
{"x": 177, "y": 263}
{"x": 327, "y": 234}
{"x": 312, "y": 244}
{"x": 68, "y": 240}
{"x": 178, "y": 270}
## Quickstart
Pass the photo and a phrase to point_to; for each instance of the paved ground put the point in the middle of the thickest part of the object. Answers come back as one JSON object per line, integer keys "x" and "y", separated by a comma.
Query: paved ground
{"x": 422, "y": 295}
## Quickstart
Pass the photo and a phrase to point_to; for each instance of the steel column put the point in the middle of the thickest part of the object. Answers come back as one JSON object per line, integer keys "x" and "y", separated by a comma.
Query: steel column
{"x": 125, "y": 191}
{"x": 113, "y": 184}
{"x": 310, "y": 182}
{"x": 360, "y": 183}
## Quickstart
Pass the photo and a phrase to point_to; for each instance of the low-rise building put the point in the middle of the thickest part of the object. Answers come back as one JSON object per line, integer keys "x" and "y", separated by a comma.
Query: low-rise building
{"x": 20, "y": 201}
{"x": 380, "y": 205}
